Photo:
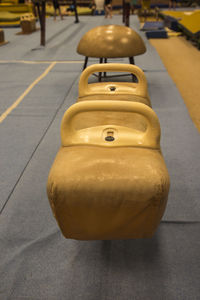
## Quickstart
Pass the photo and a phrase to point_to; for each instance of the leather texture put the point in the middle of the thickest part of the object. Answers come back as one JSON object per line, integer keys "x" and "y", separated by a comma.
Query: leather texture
{"x": 118, "y": 191}
{"x": 111, "y": 41}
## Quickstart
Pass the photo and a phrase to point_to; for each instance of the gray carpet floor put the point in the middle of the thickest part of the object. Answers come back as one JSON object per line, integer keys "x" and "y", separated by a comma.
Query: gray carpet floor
{"x": 36, "y": 261}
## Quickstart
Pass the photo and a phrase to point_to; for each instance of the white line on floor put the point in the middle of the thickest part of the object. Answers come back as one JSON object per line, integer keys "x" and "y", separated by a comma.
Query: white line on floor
{"x": 42, "y": 62}
{"x": 19, "y": 100}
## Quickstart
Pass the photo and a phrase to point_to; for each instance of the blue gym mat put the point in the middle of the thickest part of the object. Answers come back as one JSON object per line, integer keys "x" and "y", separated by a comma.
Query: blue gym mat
{"x": 149, "y": 26}
{"x": 156, "y": 34}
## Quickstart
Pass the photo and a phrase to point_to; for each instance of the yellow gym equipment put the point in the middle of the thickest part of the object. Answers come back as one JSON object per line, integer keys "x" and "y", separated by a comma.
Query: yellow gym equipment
{"x": 111, "y": 41}
{"x": 28, "y": 23}
{"x": 190, "y": 26}
{"x": 2, "y": 38}
{"x": 108, "y": 180}
{"x": 128, "y": 91}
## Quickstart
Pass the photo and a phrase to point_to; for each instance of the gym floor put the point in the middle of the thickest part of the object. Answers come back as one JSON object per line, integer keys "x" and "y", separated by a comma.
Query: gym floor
{"x": 37, "y": 85}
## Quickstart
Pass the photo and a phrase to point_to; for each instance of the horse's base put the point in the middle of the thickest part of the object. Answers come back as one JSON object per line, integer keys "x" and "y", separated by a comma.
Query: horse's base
{"x": 103, "y": 194}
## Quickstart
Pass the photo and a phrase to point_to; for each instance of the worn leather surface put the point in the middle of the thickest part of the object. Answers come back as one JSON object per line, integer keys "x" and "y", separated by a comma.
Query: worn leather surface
{"x": 111, "y": 41}
{"x": 98, "y": 118}
{"x": 115, "y": 193}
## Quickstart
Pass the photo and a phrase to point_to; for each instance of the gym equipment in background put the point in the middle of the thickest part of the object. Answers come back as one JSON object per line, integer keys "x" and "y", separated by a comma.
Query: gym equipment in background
{"x": 187, "y": 22}
{"x": 2, "y": 38}
{"x": 28, "y": 23}
{"x": 190, "y": 26}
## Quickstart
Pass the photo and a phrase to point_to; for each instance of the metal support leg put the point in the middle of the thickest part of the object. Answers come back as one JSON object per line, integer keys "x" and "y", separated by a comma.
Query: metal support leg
{"x": 75, "y": 12}
{"x": 105, "y": 61}
{"x": 127, "y": 13}
{"x": 132, "y": 62}
{"x": 123, "y": 11}
{"x": 85, "y": 63}
{"x": 100, "y": 61}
